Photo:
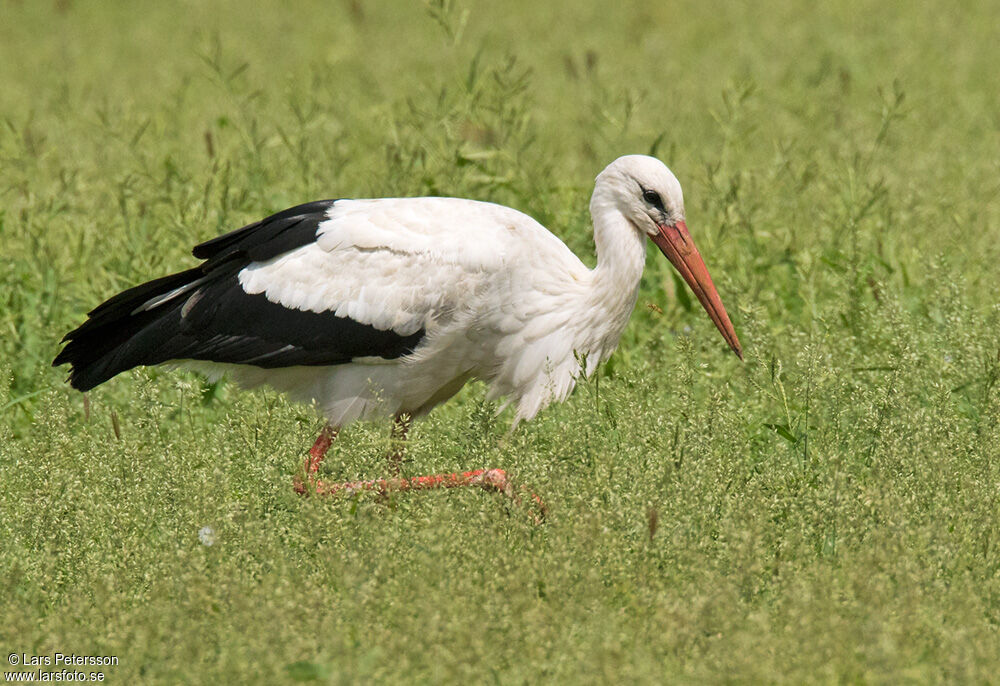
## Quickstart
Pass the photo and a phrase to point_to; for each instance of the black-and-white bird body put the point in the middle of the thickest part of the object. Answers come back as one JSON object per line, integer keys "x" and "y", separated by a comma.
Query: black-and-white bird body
{"x": 388, "y": 306}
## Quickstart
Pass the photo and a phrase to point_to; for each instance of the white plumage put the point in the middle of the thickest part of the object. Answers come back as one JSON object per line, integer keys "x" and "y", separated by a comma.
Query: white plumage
{"x": 485, "y": 292}
{"x": 499, "y": 296}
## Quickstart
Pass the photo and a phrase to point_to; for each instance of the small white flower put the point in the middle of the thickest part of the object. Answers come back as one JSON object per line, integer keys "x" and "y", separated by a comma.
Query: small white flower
{"x": 206, "y": 535}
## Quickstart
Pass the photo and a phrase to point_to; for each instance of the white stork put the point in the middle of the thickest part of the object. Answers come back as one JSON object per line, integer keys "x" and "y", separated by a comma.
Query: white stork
{"x": 387, "y": 307}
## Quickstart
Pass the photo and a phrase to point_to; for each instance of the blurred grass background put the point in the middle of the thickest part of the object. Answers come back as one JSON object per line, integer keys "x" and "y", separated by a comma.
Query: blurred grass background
{"x": 826, "y": 511}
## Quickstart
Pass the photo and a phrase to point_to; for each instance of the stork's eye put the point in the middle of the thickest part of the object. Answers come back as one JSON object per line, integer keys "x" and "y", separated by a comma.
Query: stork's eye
{"x": 654, "y": 199}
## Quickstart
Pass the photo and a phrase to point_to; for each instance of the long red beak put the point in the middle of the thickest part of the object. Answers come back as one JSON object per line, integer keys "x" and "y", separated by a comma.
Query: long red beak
{"x": 675, "y": 242}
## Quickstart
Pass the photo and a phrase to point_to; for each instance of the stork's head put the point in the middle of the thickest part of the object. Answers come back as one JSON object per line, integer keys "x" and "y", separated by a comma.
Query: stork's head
{"x": 649, "y": 196}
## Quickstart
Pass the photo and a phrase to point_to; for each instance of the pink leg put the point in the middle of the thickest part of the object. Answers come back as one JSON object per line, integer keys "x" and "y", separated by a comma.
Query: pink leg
{"x": 488, "y": 479}
{"x": 316, "y": 455}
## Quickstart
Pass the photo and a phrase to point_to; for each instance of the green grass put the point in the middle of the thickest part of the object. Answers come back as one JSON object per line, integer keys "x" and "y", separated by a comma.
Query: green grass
{"x": 826, "y": 511}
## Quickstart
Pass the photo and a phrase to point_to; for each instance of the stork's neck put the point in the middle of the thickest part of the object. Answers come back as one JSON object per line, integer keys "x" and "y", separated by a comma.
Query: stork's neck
{"x": 621, "y": 249}
{"x": 621, "y": 255}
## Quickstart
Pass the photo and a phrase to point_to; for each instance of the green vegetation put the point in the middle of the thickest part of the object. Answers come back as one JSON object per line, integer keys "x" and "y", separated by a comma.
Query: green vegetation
{"x": 825, "y": 511}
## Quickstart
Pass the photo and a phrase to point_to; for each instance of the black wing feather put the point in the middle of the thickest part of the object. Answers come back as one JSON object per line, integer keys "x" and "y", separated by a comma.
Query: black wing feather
{"x": 281, "y": 232}
{"x": 214, "y": 319}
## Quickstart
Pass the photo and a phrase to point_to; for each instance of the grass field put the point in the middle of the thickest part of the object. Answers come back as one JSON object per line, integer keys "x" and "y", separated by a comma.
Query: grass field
{"x": 826, "y": 511}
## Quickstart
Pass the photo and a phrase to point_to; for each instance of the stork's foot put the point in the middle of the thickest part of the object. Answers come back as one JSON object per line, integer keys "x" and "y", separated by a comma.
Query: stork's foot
{"x": 488, "y": 479}
{"x": 307, "y": 483}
